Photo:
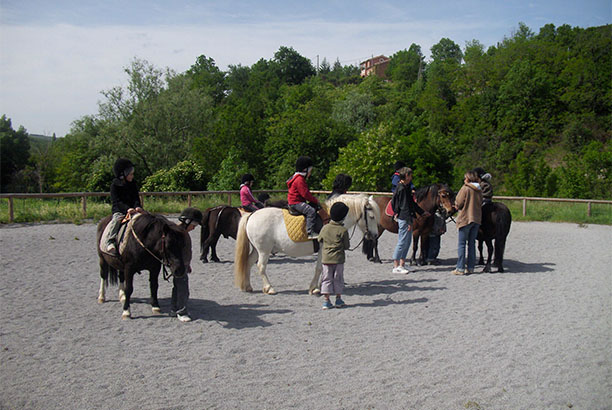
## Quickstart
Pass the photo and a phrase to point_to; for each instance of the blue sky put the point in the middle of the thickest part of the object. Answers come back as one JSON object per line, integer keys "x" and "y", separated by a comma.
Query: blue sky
{"x": 57, "y": 56}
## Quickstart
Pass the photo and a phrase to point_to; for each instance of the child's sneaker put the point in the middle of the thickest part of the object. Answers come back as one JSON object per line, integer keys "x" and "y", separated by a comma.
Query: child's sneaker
{"x": 327, "y": 305}
{"x": 183, "y": 317}
{"x": 112, "y": 249}
{"x": 340, "y": 303}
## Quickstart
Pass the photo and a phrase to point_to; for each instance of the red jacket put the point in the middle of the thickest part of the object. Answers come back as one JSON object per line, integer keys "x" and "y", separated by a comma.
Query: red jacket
{"x": 298, "y": 190}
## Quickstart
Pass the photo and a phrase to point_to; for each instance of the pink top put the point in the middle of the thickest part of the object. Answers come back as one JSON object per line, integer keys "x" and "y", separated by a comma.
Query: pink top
{"x": 246, "y": 197}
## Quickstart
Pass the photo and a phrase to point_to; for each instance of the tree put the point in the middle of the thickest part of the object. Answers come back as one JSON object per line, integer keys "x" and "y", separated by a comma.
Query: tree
{"x": 446, "y": 50}
{"x": 15, "y": 151}
{"x": 291, "y": 67}
{"x": 406, "y": 66}
{"x": 207, "y": 76}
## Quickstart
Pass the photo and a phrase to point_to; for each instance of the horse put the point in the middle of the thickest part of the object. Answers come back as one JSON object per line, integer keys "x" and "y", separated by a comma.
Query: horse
{"x": 217, "y": 221}
{"x": 153, "y": 241}
{"x": 496, "y": 221}
{"x": 264, "y": 232}
{"x": 431, "y": 198}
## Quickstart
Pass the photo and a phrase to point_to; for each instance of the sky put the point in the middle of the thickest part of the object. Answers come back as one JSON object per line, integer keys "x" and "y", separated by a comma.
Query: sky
{"x": 56, "y": 57}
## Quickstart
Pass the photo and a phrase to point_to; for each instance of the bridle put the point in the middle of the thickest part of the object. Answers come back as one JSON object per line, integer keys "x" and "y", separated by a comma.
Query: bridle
{"x": 367, "y": 235}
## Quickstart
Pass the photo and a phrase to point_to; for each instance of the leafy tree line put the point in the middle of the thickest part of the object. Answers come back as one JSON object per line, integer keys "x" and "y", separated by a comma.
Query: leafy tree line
{"x": 533, "y": 110}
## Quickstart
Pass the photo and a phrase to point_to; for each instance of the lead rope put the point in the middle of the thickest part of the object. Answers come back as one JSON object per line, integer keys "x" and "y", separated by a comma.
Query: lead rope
{"x": 365, "y": 215}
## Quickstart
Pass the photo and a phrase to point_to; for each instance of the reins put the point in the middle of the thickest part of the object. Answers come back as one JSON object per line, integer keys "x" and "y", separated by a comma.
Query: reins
{"x": 367, "y": 232}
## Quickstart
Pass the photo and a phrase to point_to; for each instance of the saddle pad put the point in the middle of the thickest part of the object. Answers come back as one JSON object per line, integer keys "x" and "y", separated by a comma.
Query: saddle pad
{"x": 389, "y": 209}
{"x": 125, "y": 228}
{"x": 296, "y": 226}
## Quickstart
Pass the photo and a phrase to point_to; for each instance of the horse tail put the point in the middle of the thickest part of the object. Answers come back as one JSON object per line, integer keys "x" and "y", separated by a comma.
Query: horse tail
{"x": 241, "y": 258}
{"x": 113, "y": 278}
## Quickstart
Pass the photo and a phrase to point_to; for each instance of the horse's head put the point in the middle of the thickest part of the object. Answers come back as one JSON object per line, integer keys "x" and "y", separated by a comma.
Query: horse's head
{"x": 363, "y": 212}
{"x": 176, "y": 249}
{"x": 446, "y": 199}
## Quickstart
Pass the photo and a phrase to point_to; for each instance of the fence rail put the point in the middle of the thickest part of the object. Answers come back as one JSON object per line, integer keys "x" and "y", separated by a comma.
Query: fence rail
{"x": 191, "y": 194}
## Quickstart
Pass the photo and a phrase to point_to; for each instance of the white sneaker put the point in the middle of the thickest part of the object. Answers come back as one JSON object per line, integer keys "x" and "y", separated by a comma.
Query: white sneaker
{"x": 400, "y": 269}
{"x": 409, "y": 269}
{"x": 184, "y": 318}
{"x": 111, "y": 248}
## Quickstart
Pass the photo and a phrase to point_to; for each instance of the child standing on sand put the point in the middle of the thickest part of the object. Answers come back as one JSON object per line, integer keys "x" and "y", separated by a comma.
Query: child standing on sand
{"x": 335, "y": 239}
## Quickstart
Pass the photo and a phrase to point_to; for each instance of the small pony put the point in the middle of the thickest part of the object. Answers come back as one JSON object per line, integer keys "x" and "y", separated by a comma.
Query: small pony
{"x": 496, "y": 221}
{"x": 217, "y": 221}
{"x": 152, "y": 242}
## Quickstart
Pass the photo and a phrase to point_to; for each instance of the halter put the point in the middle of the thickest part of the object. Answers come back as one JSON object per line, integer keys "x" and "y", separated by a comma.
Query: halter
{"x": 163, "y": 261}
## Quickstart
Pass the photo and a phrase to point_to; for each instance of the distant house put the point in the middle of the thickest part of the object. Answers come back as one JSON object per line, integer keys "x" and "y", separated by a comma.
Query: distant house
{"x": 375, "y": 65}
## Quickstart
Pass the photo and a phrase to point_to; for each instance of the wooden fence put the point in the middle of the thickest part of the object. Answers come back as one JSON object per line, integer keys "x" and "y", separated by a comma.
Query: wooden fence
{"x": 191, "y": 194}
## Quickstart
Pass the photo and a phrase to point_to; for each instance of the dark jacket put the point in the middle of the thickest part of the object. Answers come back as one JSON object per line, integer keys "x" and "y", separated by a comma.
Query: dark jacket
{"x": 335, "y": 240}
{"x": 124, "y": 195}
{"x": 403, "y": 203}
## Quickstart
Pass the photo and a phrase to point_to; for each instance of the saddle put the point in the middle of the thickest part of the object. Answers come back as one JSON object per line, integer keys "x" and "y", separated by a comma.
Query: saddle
{"x": 296, "y": 224}
{"x": 124, "y": 230}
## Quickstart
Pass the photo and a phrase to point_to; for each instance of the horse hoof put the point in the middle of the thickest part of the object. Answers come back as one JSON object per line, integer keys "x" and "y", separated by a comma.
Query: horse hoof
{"x": 248, "y": 289}
{"x": 101, "y": 300}
{"x": 156, "y": 310}
{"x": 315, "y": 291}
{"x": 204, "y": 260}
{"x": 216, "y": 260}
{"x": 126, "y": 315}
{"x": 269, "y": 290}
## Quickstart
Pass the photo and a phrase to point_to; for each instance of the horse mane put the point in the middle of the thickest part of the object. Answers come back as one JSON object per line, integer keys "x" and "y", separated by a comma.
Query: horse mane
{"x": 354, "y": 202}
{"x": 422, "y": 192}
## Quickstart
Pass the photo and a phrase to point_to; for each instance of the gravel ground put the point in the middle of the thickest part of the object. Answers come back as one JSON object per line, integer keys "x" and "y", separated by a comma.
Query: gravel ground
{"x": 537, "y": 336}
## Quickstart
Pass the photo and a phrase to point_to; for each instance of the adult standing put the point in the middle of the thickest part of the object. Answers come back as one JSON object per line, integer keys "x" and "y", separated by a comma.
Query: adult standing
{"x": 404, "y": 210}
{"x": 468, "y": 203}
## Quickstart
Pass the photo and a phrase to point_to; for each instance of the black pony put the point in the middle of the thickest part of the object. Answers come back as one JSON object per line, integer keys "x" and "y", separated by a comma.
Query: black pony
{"x": 217, "y": 221}
{"x": 154, "y": 241}
{"x": 496, "y": 221}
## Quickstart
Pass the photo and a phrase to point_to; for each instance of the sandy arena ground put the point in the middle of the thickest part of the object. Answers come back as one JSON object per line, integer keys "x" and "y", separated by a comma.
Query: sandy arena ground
{"x": 536, "y": 337}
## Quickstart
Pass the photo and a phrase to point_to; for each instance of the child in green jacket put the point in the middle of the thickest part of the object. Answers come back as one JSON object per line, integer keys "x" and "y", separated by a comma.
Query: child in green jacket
{"x": 335, "y": 241}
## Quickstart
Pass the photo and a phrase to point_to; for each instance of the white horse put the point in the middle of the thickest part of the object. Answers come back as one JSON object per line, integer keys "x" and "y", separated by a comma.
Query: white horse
{"x": 263, "y": 232}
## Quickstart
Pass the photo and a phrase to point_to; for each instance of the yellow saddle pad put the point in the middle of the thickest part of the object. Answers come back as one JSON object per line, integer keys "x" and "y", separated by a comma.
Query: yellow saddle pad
{"x": 296, "y": 226}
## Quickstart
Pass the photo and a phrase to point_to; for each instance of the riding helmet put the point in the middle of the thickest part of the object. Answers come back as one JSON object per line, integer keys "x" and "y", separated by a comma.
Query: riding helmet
{"x": 302, "y": 164}
{"x": 479, "y": 171}
{"x": 338, "y": 211}
{"x": 246, "y": 178}
{"x": 122, "y": 167}
{"x": 191, "y": 215}
{"x": 398, "y": 165}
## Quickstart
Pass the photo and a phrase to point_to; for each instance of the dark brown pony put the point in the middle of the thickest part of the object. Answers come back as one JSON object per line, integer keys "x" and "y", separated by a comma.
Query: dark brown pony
{"x": 496, "y": 221}
{"x": 217, "y": 221}
{"x": 431, "y": 198}
{"x": 155, "y": 241}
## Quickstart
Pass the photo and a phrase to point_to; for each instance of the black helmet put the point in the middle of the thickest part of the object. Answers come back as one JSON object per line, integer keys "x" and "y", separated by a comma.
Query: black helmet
{"x": 122, "y": 167}
{"x": 302, "y": 164}
{"x": 479, "y": 171}
{"x": 338, "y": 211}
{"x": 191, "y": 215}
{"x": 246, "y": 178}
{"x": 398, "y": 165}
{"x": 342, "y": 183}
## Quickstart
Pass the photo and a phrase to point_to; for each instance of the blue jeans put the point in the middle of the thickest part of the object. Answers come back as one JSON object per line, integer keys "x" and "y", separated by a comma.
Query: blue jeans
{"x": 404, "y": 239}
{"x": 467, "y": 234}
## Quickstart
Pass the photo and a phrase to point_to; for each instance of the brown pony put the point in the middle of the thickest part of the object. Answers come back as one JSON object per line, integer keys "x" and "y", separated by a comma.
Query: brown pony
{"x": 430, "y": 198}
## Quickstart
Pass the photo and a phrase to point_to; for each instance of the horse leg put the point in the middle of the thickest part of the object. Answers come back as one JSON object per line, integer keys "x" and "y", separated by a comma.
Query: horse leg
{"x": 129, "y": 288}
{"x": 103, "y": 280}
{"x": 424, "y": 249}
{"x": 262, "y": 263}
{"x": 122, "y": 286}
{"x": 314, "y": 288}
{"x": 213, "y": 248}
{"x": 481, "y": 259}
{"x": 204, "y": 251}
{"x": 154, "y": 285}
{"x": 415, "y": 248}
{"x": 487, "y": 267}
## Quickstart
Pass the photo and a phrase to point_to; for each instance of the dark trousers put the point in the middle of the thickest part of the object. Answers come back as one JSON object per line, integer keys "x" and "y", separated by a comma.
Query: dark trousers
{"x": 310, "y": 214}
{"x": 180, "y": 294}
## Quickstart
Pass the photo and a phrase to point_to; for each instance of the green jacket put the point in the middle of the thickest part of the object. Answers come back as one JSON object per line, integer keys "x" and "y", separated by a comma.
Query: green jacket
{"x": 335, "y": 240}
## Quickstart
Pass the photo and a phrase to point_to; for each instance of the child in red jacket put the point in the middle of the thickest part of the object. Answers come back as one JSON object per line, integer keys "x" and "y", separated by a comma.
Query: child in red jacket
{"x": 299, "y": 197}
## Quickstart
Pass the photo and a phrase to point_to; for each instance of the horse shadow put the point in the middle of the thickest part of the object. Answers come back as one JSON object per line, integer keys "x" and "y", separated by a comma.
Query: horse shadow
{"x": 232, "y": 316}
{"x": 512, "y": 267}
{"x": 388, "y": 287}
{"x": 386, "y": 302}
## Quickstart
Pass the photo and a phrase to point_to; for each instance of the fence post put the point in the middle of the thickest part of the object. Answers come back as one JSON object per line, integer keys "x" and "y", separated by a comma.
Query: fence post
{"x": 84, "y": 205}
{"x": 10, "y": 203}
{"x": 189, "y": 200}
{"x": 524, "y": 206}
{"x": 229, "y": 199}
{"x": 588, "y": 209}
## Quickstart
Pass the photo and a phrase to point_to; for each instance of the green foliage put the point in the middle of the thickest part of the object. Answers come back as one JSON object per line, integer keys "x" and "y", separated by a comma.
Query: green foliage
{"x": 15, "y": 151}
{"x": 230, "y": 173}
{"x": 184, "y": 176}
